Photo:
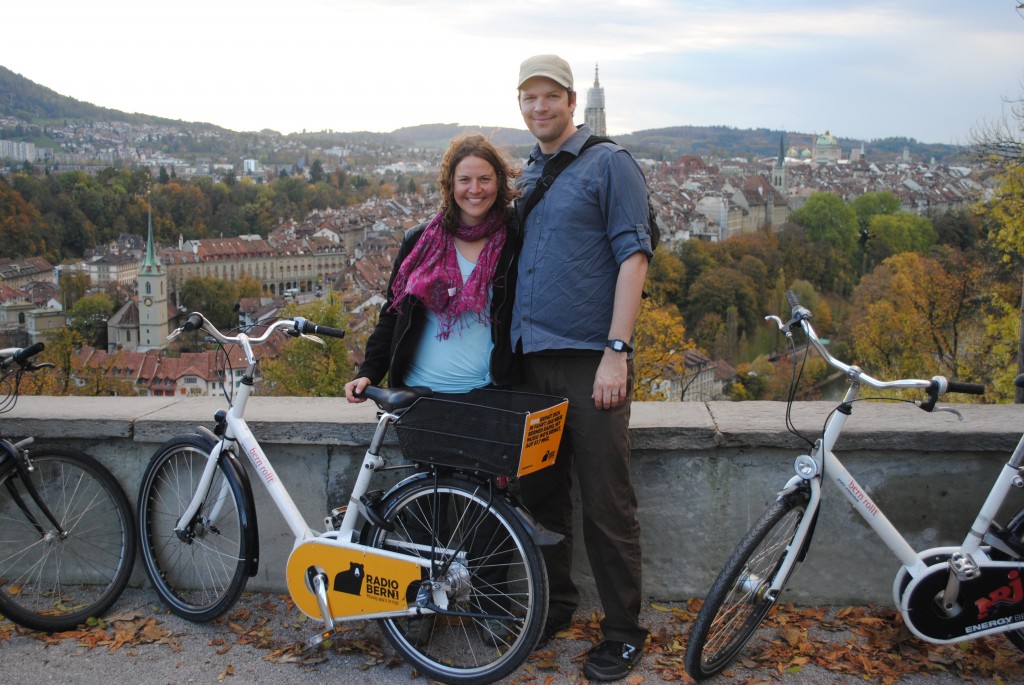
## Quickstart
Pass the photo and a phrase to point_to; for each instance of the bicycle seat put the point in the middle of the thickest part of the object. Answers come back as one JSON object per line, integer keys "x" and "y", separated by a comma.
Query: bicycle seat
{"x": 391, "y": 399}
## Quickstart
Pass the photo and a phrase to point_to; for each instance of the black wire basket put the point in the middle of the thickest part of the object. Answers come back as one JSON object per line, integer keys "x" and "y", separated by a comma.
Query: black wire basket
{"x": 498, "y": 432}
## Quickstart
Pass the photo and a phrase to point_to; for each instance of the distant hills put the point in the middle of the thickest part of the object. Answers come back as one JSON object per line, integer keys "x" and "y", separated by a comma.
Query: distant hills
{"x": 40, "y": 106}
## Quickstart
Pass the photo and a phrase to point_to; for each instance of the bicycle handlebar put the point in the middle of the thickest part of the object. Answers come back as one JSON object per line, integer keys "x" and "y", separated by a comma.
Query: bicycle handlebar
{"x": 306, "y": 326}
{"x": 936, "y": 386}
{"x": 298, "y": 326}
{"x": 22, "y": 357}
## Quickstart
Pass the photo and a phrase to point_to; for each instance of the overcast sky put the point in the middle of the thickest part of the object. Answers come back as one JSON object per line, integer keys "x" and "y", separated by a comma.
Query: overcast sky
{"x": 926, "y": 69}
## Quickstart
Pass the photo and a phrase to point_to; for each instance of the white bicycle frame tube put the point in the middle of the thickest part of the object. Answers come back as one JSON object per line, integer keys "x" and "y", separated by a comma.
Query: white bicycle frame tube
{"x": 831, "y": 467}
{"x": 238, "y": 430}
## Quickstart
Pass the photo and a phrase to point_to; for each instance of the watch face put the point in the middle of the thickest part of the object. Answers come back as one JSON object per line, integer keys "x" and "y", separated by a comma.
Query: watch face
{"x": 149, "y": 301}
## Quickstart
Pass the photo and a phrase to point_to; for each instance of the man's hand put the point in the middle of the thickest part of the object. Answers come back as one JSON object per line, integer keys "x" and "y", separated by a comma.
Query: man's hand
{"x": 610, "y": 380}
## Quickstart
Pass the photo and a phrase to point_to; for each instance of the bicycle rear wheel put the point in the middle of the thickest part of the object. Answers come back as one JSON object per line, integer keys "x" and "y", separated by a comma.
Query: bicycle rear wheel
{"x": 52, "y": 581}
{"x": 737, "y": 603}
{"x": 494, "y": 579}
{"x": 200, "y": 572}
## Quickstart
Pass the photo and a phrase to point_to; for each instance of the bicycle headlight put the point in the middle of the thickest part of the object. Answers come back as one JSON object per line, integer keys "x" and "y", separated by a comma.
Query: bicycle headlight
{"x": 805, "y": 467}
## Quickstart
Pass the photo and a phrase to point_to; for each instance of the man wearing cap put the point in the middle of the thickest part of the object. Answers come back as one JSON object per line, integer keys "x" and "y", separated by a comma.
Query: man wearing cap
{"x": 586, "y": 248}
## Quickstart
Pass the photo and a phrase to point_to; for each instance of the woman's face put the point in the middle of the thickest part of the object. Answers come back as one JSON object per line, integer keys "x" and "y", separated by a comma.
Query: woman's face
{"x": 476, "y": 188}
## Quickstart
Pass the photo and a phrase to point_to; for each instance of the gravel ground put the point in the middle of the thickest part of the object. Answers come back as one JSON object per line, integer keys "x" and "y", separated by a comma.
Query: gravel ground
{"x": 257, "y": 643}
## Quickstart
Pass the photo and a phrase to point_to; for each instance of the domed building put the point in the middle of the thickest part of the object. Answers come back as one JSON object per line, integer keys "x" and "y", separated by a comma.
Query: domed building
{"x": 826, "y": 149}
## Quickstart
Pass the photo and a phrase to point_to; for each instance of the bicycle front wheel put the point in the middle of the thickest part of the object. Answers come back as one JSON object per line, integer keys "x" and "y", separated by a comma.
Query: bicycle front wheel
{"x": 200, "y": 571}
{"x": 55, "y": 578}
{"x": 737, "y": 602}
{"x": 487, "y": 565}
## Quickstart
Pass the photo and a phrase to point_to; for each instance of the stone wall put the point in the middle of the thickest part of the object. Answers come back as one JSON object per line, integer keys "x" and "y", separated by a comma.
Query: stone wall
{"x": 703, "y": 473}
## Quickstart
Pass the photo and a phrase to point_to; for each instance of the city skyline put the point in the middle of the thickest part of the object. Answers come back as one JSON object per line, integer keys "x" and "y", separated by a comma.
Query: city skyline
{"x": 934, "y": 71}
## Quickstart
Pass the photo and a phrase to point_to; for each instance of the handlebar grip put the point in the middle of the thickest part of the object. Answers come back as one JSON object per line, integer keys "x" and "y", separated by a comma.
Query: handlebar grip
{"x": 194, "y": 322}
{"x": 306, "y": 326}
{"x": 792, "y": 299}
{"x": 23, "y": 355}
{"x": 965, "y": 388}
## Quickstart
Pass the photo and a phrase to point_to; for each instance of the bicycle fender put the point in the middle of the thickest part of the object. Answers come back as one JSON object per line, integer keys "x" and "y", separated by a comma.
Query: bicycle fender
{"x": 250, "y": 528}
{"x": 541, "y": 536}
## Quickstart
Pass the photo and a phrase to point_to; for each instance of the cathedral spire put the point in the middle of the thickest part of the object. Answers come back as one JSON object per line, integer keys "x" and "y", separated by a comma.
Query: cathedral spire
{"x": 594, "y": 113}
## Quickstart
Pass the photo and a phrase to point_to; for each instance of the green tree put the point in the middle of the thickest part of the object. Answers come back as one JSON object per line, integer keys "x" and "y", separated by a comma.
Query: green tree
{"x": 316, "y": 172}
{"x": 870, "y": 205}
{"x": 213, "y": 298}
{"x": 305, "y": 368}
{"x": 890, "y": 234}
{"x": 827, "y": 242}
{"x": 89, "y": 318}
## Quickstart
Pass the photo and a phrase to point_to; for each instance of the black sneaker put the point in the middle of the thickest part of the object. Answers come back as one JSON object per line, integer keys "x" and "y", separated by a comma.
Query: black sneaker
{"x": 611, "y": 660}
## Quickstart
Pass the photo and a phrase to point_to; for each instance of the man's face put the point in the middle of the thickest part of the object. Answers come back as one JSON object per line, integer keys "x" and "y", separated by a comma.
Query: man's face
{"x": 547, "y": 110}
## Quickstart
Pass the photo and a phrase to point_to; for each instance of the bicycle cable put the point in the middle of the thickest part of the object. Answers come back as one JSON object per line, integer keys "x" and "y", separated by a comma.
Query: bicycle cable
{"x": 799, "y": 362}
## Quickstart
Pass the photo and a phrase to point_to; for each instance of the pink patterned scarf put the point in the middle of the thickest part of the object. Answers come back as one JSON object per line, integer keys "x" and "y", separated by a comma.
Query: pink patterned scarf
{"x": 431, "y": 272}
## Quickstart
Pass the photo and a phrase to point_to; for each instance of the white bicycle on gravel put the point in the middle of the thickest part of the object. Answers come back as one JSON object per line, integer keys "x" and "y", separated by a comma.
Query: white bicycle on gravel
{"x": 945, "y": 594}
{"x": 447, "y": 560}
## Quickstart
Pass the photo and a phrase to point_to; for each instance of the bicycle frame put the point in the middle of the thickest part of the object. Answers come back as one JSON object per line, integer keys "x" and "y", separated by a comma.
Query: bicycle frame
{"x": 237, "y": 431}
{"x": 823, "y": 464}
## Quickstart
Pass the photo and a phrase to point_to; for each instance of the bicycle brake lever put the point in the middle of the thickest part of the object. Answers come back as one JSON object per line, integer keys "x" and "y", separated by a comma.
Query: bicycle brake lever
{"x": 784, "y": 327}
{"x": 959, "y": 416}
{"x": 314, "y": 338}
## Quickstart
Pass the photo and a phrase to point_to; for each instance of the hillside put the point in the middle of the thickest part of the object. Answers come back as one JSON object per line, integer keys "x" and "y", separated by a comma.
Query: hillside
{"x": 37, "y": 105}
{"x": 27, "y": 100}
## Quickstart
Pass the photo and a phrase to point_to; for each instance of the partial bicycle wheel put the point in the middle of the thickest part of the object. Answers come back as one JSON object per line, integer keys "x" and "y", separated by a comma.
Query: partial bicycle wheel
{"x": 1016, "y": 528}
{"x": 489, "y": 568}
{"x": 737, "y": 602}
{"x": 57, "y": 573}
{"x": 198, "y": 572}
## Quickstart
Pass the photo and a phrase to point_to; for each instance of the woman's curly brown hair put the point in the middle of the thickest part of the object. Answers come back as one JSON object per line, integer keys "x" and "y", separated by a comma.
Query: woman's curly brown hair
{"x": 475, "y": 145}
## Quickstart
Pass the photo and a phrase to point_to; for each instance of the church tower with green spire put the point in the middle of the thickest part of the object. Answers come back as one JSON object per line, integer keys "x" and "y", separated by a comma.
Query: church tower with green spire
{"x": 153, "y": 317}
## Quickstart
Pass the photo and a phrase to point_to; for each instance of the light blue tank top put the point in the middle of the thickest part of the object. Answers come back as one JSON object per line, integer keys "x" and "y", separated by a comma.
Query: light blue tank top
{"x": 460, "y": 363}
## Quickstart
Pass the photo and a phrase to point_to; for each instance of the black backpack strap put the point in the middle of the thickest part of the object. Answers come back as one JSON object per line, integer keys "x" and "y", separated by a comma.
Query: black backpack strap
{"x": 552, "y": 168}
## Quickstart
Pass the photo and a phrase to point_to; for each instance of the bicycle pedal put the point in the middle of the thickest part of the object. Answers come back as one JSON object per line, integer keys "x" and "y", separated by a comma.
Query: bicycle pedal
{"x": 316, "y": 640}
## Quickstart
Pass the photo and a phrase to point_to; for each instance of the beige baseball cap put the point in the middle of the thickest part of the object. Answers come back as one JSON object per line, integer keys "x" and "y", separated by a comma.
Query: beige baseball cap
{"x": 548, "y": 66}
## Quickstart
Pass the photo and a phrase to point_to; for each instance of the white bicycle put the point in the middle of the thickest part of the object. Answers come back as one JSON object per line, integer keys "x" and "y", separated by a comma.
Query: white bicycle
{"x": 945, "y": 594}
{"x": 446, "y": 559}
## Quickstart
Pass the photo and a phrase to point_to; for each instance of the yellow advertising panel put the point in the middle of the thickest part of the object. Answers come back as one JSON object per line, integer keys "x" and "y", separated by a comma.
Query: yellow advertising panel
{"x": 542, "y": 437}
{"x": 359, "y": 581}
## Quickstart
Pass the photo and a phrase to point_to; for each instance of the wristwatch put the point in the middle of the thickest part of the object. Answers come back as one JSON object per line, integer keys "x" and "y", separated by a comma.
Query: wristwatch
{"x": 619, "y": 345}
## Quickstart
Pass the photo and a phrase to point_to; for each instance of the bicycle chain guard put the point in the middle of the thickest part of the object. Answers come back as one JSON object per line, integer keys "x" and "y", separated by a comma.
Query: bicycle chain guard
{"x": 359, "y": 581}
{"x": 991, "y": 603}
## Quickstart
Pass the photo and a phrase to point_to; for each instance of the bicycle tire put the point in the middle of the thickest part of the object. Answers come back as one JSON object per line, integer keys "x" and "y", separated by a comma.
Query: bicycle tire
{"x": 200, "y": 574}
{"x": 493, "y": 568}
{"x": 53, "y": 583}
{"x": 735, "y": 606}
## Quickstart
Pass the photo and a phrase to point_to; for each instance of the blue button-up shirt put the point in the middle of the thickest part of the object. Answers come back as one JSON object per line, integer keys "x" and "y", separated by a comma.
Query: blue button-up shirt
{"x": 591, "y": 220}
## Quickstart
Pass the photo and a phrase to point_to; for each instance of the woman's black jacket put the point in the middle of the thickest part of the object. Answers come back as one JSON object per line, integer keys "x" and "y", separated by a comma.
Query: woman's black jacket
{"x": 394, "y": 339}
